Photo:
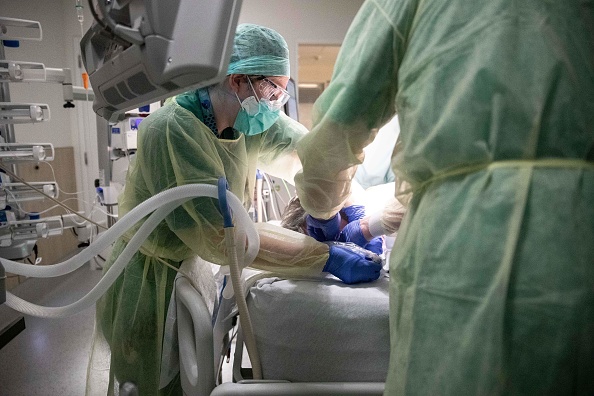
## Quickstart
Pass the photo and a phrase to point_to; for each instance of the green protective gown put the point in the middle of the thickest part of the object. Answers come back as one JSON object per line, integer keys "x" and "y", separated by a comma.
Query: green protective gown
{"x": 175, "y": 148}
{"x": 492, "y": 287}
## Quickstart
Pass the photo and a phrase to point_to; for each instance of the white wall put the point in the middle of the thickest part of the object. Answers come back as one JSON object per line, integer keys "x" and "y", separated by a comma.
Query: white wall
{"x": 302, "y": 21}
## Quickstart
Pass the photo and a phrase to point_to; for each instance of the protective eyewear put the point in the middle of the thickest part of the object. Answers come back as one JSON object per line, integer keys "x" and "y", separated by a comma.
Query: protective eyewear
{"x": 270, "y": 91}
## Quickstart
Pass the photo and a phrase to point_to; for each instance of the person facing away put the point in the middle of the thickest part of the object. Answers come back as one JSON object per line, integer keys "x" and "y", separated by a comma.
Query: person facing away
{"x": 493, "y": 268}
{"x": 225, "y": 130}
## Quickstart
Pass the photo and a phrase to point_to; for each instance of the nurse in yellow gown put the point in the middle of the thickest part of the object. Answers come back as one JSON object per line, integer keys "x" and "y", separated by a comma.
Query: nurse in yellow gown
{"x": 226, "y": 130}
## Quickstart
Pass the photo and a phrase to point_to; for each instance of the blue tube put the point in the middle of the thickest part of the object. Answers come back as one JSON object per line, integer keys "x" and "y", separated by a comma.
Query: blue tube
{"x": 223, "y": 206}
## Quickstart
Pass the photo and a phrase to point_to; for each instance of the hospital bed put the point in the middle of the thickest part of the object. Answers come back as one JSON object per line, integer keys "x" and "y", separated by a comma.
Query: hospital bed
{"x": 314, "y": 337}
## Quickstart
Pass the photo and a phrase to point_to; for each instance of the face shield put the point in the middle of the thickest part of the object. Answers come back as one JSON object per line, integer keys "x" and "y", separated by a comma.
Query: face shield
{"x": 273, "y": 93}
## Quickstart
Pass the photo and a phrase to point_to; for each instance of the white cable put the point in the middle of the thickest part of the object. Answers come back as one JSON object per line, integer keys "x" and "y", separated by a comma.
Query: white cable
{"x": 50, "y": 208}
{"x": 56, "y": 181}
{"x": 81, "y": 224}
{"x": 44, "y": 194}
{"x": 286, "y": 188}
{"x": 259, "y": 203}
{"x": 68, "y": 211}
{"x": 280, "y": 198}
{"x": 53, "y": 207}
{"x": 105, "y": 213}
{"x": 96, "y": 248}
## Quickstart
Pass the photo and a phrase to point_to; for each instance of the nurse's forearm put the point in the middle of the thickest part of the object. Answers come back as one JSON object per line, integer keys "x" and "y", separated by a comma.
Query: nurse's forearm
{"x": 384, "y": 222}
{"x": 283, "y": 247}
{"x": 289, "y": 252}
{"x": 284, "y": 167}
{"x": 365, "y": 228}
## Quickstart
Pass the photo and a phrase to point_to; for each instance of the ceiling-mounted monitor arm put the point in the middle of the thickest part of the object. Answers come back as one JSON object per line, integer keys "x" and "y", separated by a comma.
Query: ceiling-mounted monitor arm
{"x": 143, "y": 51}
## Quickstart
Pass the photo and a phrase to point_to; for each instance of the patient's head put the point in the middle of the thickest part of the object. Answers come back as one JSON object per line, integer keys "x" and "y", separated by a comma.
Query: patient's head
{"x": 293, "y": 217}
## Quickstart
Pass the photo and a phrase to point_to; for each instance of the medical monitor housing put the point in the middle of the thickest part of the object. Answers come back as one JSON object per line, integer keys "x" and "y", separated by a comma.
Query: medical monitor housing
{"x": 141, "y": 51}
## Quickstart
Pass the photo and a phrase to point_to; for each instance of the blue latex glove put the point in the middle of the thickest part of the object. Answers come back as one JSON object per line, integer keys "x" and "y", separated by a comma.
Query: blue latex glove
{"x": 352, "y": 233}
{"x": 323, "y": 230}
{"x": 351, "y": 266}
{"x": 354, "y": 212}
{"x": 376, "y": 245}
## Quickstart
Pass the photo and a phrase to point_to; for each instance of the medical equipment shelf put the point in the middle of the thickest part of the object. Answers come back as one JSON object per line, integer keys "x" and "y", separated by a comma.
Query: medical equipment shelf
{"x": 19, "y": 72}
{"x": 19, "y": 29}
{"x": 20, "y": 192}
{"x": 16, "y": 152}
{"x": 20, "y": 230}
{"x": 23, "y": 113}
{"x": 16, "y": 71}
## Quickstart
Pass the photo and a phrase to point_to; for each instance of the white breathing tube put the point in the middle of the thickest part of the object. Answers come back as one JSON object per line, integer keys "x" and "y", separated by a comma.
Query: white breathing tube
{"x": 235, "y": 269}
{"x": 138, "y": 213}
{"x": 106, "y": 281}
{"x": 164, "y": 202}
{"x": 161, "y": 204}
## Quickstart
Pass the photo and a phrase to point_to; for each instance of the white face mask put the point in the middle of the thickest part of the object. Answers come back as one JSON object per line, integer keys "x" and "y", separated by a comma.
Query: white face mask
{"x": 255, "y": 116}
{"x": 250, "y": 105}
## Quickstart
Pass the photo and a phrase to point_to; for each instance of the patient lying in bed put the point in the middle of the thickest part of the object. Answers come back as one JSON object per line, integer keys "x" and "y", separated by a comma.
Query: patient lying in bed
{"x": 320, "y": 330}
{"x": 293, "y": 218}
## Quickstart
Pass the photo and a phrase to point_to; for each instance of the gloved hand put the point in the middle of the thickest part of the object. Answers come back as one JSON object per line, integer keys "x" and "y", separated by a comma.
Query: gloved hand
{"x": 323, "y": 230}
{"x": 352, "y": 233}
{"x": 351, "y": 266}
{"x": 354, "y": 212}
{"x": 376, "y": 245}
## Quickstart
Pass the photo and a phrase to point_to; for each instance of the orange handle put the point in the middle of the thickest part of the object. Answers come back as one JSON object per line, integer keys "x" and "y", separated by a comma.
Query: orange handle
{"x": 85, "y": 78}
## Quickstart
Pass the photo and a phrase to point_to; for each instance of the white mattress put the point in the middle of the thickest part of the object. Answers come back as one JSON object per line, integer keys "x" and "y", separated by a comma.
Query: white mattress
{"x": 321, "y": 330}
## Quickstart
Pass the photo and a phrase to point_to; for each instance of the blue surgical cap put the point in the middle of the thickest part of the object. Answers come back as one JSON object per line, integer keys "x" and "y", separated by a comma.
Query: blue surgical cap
{"x": 258, "y": 50}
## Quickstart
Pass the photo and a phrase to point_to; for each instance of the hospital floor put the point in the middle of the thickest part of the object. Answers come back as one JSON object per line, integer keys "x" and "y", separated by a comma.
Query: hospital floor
{"x": 50, "y": 356}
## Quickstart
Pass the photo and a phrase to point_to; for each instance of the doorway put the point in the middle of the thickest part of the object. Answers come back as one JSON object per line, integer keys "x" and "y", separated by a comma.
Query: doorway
{"x": 315, "y": 64}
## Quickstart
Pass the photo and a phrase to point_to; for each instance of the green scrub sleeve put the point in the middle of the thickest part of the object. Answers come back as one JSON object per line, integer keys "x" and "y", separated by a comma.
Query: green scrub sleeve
{"x": 360, "y": 99}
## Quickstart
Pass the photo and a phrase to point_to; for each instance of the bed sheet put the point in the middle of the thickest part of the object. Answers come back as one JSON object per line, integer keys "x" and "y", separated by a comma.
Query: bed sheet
{"x": 321, "y": 330}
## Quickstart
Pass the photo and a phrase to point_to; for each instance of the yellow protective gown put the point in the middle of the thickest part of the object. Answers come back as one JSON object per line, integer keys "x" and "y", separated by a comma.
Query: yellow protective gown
{"x": 492, "y": 288}
{"x": 176, "y": 148}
